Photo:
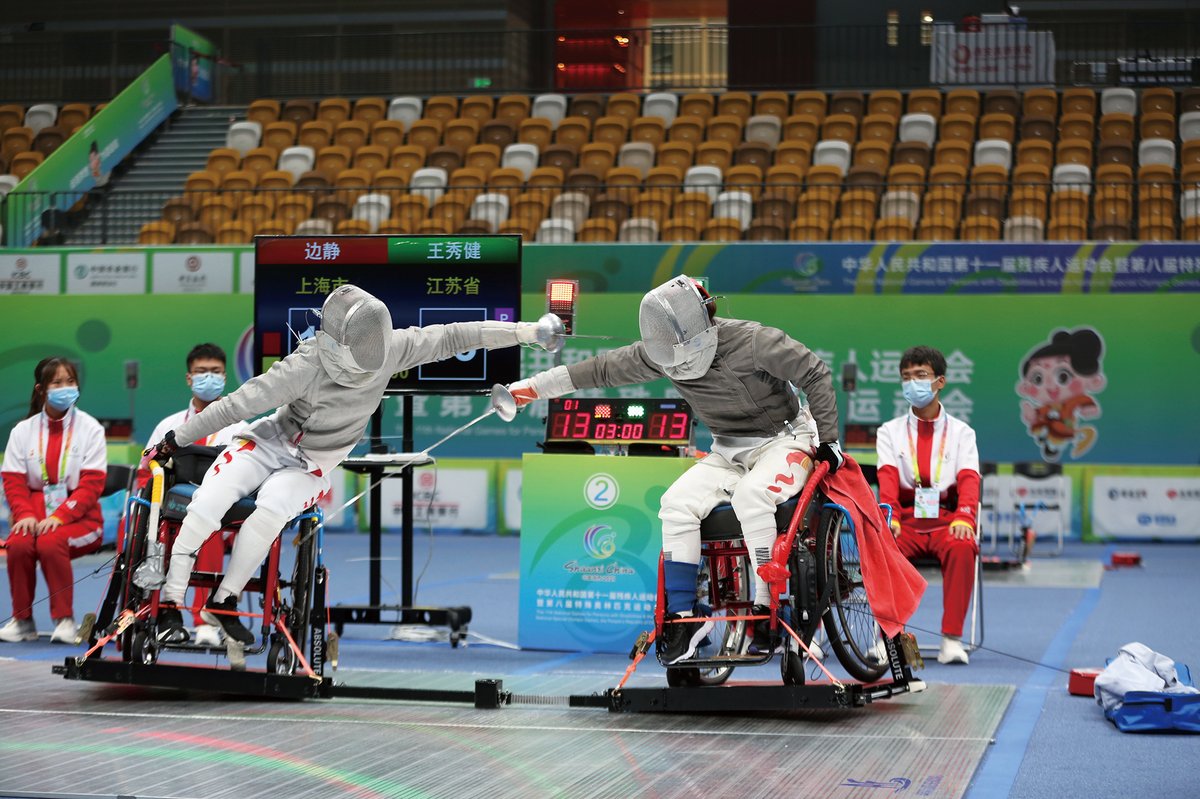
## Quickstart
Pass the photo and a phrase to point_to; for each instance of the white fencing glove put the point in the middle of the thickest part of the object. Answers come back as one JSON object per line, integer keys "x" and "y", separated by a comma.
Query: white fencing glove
{"x": 544, "y": 385}
{"x": 547, "y": 332}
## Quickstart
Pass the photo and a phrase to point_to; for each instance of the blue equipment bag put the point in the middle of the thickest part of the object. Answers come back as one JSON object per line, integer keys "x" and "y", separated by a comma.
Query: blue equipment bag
{"x": 1159, "y": 711}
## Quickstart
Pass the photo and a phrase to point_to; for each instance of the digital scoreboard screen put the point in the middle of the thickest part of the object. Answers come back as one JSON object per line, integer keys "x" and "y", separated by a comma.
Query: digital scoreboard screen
{"x": 424, "y": 280}
{"x": 619, "y": 421}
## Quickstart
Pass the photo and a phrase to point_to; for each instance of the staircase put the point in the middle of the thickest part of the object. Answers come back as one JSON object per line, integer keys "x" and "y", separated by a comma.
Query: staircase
{"x": 158, "y": 172}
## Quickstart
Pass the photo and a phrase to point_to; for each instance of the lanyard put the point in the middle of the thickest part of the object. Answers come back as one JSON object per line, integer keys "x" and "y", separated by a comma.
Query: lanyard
{"x": 66, "y": 447}
{"x": 912, "y": 447}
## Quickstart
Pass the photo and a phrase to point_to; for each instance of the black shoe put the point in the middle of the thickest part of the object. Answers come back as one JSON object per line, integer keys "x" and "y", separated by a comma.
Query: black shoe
{"x": 170, "y": 625}
{"x": 224, "y": 618}
{"x": 679, "y": 641}
{"x": 763, "y": 640}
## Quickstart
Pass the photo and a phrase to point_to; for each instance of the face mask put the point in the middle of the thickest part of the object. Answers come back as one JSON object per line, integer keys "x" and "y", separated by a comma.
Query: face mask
{"x": 918, "y": 393}
{"x": 208, "y": 386}
{"x": 62, "y": 398}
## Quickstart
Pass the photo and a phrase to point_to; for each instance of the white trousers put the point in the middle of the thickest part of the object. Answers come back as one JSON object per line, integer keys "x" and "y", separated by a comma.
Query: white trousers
{"x": 286, "y": 484}
{"x": 754, "y": 480}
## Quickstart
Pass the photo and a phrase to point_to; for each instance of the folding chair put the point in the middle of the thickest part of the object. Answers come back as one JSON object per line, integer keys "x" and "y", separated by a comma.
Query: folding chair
{"x": 1040, "y": 496}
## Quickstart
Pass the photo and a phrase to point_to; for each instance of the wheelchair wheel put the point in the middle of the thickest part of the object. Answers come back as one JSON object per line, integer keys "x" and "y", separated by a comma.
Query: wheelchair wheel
{"x": 849, "y": 620}
{"x": 280, "y": 657}
{"x": 143, "y": 650}
{"x": 132, "y": 596}
{"x": 730, "y": 584}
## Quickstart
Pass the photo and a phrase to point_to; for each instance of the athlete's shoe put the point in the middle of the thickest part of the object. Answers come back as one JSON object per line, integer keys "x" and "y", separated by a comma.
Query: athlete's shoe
{"x": 679, "y": 641}
{"x": 170, "y": 625}
{"x": 952, "y": 651}
{"x": 18, "y": 630}
{"x": 207, "y": 635}
{"x": 65, "y": 632}
{"x": 224, "y": 618}
{"x": 764, "y": 641}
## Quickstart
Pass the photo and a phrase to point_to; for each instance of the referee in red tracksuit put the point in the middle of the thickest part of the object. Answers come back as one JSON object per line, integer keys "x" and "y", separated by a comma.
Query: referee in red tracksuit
{"x": 928, "y": 468}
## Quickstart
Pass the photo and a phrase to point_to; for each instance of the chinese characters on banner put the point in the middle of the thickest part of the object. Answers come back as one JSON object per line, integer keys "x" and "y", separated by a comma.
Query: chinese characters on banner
{"x": 878, "y": 397}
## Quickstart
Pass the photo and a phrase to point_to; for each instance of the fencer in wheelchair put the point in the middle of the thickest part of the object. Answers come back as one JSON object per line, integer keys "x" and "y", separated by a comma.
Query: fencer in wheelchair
{"x": 322, "y": 395}
{"x": 735, "y": 374}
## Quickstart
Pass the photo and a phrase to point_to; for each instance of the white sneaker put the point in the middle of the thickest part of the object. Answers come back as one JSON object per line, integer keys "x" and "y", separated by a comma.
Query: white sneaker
{"x": 952, "y": 651}
{"x": 18, "y": 630}
{"x": 65, "y": 632}
{"x": 207, "y": 635}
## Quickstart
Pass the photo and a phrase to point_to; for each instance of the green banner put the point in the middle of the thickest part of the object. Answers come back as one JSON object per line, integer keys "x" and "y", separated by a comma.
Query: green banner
{"x": 193, "y": 63}
{"x": 87, "y": 158}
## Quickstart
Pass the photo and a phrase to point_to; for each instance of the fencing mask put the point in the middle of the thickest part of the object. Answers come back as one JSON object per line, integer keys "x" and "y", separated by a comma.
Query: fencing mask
{"x": 355, "y": 331}
{"x": 676, "y": 329}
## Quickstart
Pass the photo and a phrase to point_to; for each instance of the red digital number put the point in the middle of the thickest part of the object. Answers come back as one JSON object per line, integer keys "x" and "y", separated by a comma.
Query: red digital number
{"x": 678, "y": 426}
{"x": 560, "y": 425}
{"x": 582, "y": 423}
{"x": 570, "y": 405}
{"x": 658, "y": 426}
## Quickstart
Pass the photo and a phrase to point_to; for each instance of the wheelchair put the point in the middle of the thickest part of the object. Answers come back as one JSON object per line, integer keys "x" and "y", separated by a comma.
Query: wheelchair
{"x": 291, "y": 629}
{"x": 825, "y": 586}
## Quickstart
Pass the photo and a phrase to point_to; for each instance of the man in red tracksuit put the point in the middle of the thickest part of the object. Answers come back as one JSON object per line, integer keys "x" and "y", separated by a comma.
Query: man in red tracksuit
{"x": 928, "y": 469}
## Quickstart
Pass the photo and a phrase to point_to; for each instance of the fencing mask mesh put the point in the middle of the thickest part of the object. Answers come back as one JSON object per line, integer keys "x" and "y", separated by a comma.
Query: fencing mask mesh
{"x": 676, "y": 329}
{"x": 361, "y": 325}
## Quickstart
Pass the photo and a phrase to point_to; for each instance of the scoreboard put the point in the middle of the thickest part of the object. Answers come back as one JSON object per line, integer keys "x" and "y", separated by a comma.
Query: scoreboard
{"x": 619, "y": 421}
{"x": 423, "y": 280}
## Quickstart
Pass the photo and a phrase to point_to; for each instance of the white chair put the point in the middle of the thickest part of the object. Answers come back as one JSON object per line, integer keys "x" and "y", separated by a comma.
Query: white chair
{"x": 765, "y": 128}
{"x": 993, "y": 152}
{"x": 405, "y": 109}
{"x": 555, "y": 231}
{"x": 429, "y": 182}
{"x": 243, "y": 136}
{"x": 1023, "y": 228}
{"x": 899, "y": 203}
{"x": 1072, "y": 176}
{"x": 637, "y": 154}
{"x": 1189, "y": 126}
{"x": 572, "y": 206}
{"x": 490, "y": 208}
{"x": 832, "y": 153}
{"x": 1189, "y": 203}
{"x": 918, "y": 127}
{"x": 550, "y": 106}
{"x": 315, "y": 227}
{"x": 521, "y": 156}
{"x": 737, "y": 205}
{"x": 297, "y": 160}
{"x": 8, "y": 183}
{"x": 703, "y": 178}
{"x": 372, "y": 209}
{"x": 1156, "y": 151}
{"x": 663, "y": 105}
{"x": 1118, "y": 101}
{"x": 40, "y": 116}
{"x": 638, "y": 230}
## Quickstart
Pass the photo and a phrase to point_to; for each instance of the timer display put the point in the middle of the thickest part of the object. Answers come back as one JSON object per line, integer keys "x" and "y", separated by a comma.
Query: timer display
{"x": 620, "y": 421}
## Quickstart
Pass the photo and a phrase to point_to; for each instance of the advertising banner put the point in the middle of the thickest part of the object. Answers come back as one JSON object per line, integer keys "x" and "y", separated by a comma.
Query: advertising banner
{"x": 590, "y": 538}
{"x": 448, "y": 497}
{"x": 1134, "y": 506}
{"x": 193, "y": 63}
{"x": 30, "y": 273}
{"x": 86, "y": 159}
{"x": 1005, "y": 54}
{"x": 106, "y": 272}
{"x": 187, "y": 272}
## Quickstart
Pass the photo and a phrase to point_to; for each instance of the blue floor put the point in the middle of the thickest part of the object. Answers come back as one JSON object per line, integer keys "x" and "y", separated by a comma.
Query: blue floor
{"x": 1050, "y": 744}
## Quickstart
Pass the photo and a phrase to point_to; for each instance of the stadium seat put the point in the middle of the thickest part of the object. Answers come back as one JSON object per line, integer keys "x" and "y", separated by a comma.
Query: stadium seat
{"x": 39, "y": 116}
{"x": 1157, "y": 125}
{"x": 429, "y": 182}
{"x": 513, "y": 108}
{"x": 1039, "y": 102}
{"x": 157, "y": 232}
{"x": 371, "y": 110}
{"x": 520, "y": 156}
{"x": 638, "y": 230}
{"x": 686, "y": 128}
{"x": 574, "y": 206}
{"x": 193, "y": 233}
{"x": 1118, "y": 101}
{"x": 952, "y": 152}
{"x": 980, "y": 228}
{"x": 918, "y": 128}
{"x": 598, "y": 230}
{"x": 371, "y": 157}
{"x": 1035, "y": 151}
{"x": 638, "y": 155}
{"x": 479, "y": 107}
{"x": 878, "y": 127}
{"x": 243, "y": 136}
{"x": 846, "y": 229}
{"x": 900, "y": 205}
{"x": 773, "y": 103}
{"x": 813, "y": 103}
{"x": 552, "y": 107}
{"x": 663, "y": 105}
{"x": 764, "y": 128}
{"x": 407, "y": 158}
{"x": 575, "y": 131}
{"x": 894, "y": 228}
{"x": 849, "y": 103}
{"x": 555, "y": 231}
{"x": 537, "y": 131}
{"x": 1076, "y": 126}
{"x": 561, "y": 156}
{"x": 1156, "y": 151}
{"x": 717, "y": 154}
{"x": 15, "y": 140}
{"x": 794, "y": 153}
{"x": 887, "y": 102}
{"x": 614, "y": 130}
{"x": 298, "y": 112}
{"x": 1028, "y": 201}
{"x": 449, "y": 212}
{"x": 653, "y": 205}
{"x": 1189, "y": 125}
{"x": 703, "y": 178}
{"x": 915, "y": 153}
{"x": 1023, "y": 229}
{"x": 1074, "y": 151}
{"x": 624, "y": 104}
{"x": 1039, "y": 127}
{"x": 924, "y": 101}
{"x": 876, "y": 155}
{"x": 721, "y": 230}
{"x": 426, "y": 133}
{"x": 995, "y": 152}
{"x": 442, "y": 108}
{"x": 697, "y": 104}
{"x": 257, "y": 208}
{"x": 1072, "y": 176}
{"x": 598, "y": 156}
{"x": 372, "y": 209}
{"x": 809, "y": 228}
{"x": 316, "y": 133}
{"x": 410, "y": 210}
{"x": 279, "y": 135}
{"x": 651, "y": 130}
{"x": 962, "y": 101}
{"x": 997, "y": 126}
{"x": 263, "y": 111}
{"x": 1001, "y": 101}
{"x": 333, "y": 110}
{"x": 724, "y": 127}
{"x": 351, "y": 134}
{"x": 235, "y": 232}
{"x": 832, "y": 153}
{"x": 736, "y": 205}
{"x": 840, "y": 127}
{"x": 357, "y": 227}
{"x": 332, "y": 159}
{"x": 500, "y": 132}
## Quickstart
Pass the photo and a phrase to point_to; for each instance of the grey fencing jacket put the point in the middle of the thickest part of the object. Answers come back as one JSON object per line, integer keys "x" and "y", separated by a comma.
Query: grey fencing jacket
{"x": 325, "y": 418}
{"x": 745, "y": 393}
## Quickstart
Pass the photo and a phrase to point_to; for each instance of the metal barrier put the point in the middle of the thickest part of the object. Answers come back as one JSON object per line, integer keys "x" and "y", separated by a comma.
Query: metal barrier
{"x": 35, "y": 67}
{"x": 863, "y": 209}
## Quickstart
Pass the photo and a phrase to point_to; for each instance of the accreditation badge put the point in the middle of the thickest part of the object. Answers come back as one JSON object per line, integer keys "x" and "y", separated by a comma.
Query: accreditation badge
{"x": 926, "y": 503}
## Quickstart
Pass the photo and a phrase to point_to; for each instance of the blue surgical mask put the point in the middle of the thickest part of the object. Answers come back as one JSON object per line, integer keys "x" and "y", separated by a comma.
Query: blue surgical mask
{"x": 918, "y": 393}
{"x": 62, "y": 398}
{"x": 208, "y": 386}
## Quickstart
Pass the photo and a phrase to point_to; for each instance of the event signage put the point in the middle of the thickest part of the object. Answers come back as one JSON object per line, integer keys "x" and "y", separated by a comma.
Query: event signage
{"x": 31, "y": 273}
{"x": 86, "y": 159}
{"x": 105, "y": 272}
{"x": 193, "y": 63}
{"x": 186, "y": 272}
{"x": 1131, "y": 506}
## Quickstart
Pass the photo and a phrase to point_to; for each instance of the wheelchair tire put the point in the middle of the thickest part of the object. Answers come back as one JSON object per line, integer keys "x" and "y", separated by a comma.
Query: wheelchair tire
{"x": 143, "y": 649}
{"x": 280, "y": 657}
{"x": 131, "y": 596}
{"x": 791, "y": 665}
{"x": 849, "y": 620}
{"x": 684, "y": 678}
{"x": 733, "y": 584}
{"x": 300, "y": 600}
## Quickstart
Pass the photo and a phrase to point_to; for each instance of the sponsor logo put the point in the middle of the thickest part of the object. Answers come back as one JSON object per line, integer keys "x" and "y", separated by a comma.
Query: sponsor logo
{"x": 1157, "y": 520}
{"x": 1183, "y": 493}
{"x": 192, "y": 264}
{"x": 600, "y": 541}
{"x": 1127, "y": 493}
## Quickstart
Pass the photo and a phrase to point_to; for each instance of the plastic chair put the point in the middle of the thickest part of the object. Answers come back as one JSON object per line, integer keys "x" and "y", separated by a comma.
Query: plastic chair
{"x": 663, "y": 105}
{"x": 552, "y": 107}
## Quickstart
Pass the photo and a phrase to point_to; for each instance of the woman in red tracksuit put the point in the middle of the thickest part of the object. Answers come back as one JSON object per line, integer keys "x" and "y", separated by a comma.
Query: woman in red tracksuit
{"x": 54, "y": 470}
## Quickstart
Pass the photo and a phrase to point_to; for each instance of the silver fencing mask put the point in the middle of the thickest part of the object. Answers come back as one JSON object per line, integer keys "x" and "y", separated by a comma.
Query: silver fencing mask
{"x": 676, "y": 330}
{"x": 355, "y": 331}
